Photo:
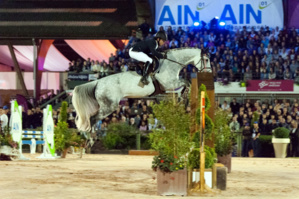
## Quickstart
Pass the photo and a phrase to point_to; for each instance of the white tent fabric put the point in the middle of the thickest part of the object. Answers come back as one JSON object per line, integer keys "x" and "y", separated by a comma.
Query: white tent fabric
{"x": 55, "y": 61}
{"x": 5, "y": 58}
{"x": 93, "y": 49}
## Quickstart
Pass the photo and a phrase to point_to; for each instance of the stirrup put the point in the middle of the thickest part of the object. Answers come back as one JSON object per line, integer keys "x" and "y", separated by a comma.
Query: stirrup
{"x": 144, "y": 80}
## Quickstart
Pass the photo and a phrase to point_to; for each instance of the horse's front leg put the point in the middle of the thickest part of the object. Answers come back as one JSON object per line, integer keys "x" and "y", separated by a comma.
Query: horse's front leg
{"x": 185, "y": 90}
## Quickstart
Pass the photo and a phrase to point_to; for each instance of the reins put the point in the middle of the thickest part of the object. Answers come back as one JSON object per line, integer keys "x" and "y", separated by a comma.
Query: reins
{"x": 184, "y": 64}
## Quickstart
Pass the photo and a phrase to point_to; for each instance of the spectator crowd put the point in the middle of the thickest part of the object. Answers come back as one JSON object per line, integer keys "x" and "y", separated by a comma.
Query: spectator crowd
{"x": 239, "y": 55}
{"x": 261, "y": 118}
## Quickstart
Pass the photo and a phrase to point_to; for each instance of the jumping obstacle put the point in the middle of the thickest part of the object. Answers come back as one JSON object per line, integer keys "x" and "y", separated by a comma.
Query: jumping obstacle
{"x": 205, "y": 78}
{"x": 21, "y": 137}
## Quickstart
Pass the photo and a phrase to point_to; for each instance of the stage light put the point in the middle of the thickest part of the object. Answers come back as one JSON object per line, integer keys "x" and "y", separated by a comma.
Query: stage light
{"x": 222, "y": 23}
{"x": 216, "y": 17}
{"x": 196, "y": 23}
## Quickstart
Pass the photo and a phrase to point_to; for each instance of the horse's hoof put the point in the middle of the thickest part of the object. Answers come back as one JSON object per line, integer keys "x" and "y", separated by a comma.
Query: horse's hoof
{"x": 145, "y": 82}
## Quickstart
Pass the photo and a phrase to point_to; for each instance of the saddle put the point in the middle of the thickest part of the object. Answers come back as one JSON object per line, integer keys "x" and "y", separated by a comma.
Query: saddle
{"x": 153, "y": 68}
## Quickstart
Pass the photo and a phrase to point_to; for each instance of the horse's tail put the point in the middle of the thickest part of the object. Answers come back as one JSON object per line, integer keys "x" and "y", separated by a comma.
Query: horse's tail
{"x": 86, "y": 105}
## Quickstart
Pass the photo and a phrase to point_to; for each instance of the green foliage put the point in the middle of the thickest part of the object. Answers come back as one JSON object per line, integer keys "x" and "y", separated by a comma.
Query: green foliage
{"x": 265, "y": 138}
{"x": 194, "y": 159}
{"x": 209, "y": 125}
{"x": 196, "y": 139}
{"x": 63, "y": 112}
{"x": 111, "y": 140}
{"x": 173, "y": 140}
{"x": 281, "y": 132}
{"x": 65, "y": 137}
{"x": 207, "y": 99}
{"x": 223, "y": 136}
{"x": 6, "y": 138}
{"x": 121, "y": 136}
{"x": 167, "y": 163}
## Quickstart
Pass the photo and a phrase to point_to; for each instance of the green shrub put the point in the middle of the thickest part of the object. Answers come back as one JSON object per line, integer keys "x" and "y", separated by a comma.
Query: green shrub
{"x": 194, "y": 160}
{"x": 111, "y": 140}
{"x": 281, "y": 132}
{"x": 265, "y": 138}
{"x": 223, "y": 135}
{"x": 120, "y": 136}
{"x": 63, "y": 112}
{"x": 64, "y": 136}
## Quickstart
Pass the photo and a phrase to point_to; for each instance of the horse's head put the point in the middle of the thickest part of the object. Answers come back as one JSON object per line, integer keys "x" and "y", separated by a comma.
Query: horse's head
{"x": 202, "y": 63}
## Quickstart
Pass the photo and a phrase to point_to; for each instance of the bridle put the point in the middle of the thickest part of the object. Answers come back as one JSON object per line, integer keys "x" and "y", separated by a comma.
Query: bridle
{"x": 202, "y": 60}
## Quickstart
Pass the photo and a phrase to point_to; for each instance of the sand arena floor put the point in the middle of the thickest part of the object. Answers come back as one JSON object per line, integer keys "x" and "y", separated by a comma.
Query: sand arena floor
{"x": 123, "y": 176}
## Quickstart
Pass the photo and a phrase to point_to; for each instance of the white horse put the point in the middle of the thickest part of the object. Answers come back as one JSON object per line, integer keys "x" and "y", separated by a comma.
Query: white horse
{"x": 96, "y": 100}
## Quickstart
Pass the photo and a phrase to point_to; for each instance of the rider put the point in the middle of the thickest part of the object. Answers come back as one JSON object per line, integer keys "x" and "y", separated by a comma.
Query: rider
{"x": 142, "y": 49}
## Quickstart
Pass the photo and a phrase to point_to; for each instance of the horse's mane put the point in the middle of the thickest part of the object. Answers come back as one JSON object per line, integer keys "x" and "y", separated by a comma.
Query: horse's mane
{"x": 182, "y": 48}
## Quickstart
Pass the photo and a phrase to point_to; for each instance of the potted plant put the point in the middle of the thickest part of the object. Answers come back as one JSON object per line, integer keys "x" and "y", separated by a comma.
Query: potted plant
{"x": 280, "y": 141}
{"x": 172, "y": 142}
{"x": 6, "y": 144}
{"x": 223, "y": 138}
{"x": 65, "y": 136}
{"x": 194, "y": 164}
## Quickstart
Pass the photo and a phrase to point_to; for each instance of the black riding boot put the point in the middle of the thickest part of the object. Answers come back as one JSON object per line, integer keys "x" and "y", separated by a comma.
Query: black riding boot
{"x": 145, "y": 73}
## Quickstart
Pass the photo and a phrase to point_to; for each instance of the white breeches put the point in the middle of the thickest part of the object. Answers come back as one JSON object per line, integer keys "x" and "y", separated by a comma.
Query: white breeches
{"x": 140, "y": 56}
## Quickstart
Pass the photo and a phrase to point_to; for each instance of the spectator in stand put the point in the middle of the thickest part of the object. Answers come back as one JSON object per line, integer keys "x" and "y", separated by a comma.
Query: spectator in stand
{"x": 173, "y": 42}
{"x": 247, "y": 141}
{"x": 3, "y": 117}
{"x": 38, "y": 117}
{"x": 96, "y": 67}
{"x": 264, "y": 127}
{"x": 247, "y": 74}
{"x": 143, "y": 127}
{"x": 225, "y": 105}
{"x": 272, "y": 74}
{"x": 293, "y": 148}
{"x": 78, "y": 66}
{"x": 71, "y": 67}
{"x": 123, "y": 68}
{"x": 287, "y": 74}
{"x": 145, "y": 28}
{"x": 234, "y": 125}
{"x": 235, "y": 106}
{"x": 256, "y": 132}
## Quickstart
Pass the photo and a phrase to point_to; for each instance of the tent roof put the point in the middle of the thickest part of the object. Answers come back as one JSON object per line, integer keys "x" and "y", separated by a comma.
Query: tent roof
{"x": 97, "y": 19}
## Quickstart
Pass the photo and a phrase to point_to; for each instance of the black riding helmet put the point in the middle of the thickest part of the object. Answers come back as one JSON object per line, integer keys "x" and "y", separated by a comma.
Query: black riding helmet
{"x": 161, "y": 35}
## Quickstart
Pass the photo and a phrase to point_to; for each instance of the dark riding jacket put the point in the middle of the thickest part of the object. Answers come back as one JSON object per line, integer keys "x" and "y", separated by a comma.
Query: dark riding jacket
{"x": 148, "y": 46}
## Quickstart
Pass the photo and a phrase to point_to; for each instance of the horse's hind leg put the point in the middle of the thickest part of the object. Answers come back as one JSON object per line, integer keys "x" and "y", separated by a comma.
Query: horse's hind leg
{"x": 105, "y": 110}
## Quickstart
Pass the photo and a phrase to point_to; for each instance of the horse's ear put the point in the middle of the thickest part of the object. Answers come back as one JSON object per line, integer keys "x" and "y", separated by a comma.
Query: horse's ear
{"x": 205, "y": 51}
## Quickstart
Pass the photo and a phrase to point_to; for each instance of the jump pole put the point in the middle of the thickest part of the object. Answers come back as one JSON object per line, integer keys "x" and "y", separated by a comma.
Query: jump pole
{"x": 202, "y": 142}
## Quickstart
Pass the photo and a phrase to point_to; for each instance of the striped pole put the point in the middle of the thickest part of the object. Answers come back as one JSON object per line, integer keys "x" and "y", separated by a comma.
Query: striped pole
{"x": 202, "y": 142}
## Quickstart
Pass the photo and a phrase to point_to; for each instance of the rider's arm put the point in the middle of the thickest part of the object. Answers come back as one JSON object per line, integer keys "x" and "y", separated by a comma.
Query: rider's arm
{"x": 154, "y": 51}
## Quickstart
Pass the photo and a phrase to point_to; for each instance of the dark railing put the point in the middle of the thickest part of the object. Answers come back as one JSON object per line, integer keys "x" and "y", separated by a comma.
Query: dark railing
{"x": 53, "y": 99}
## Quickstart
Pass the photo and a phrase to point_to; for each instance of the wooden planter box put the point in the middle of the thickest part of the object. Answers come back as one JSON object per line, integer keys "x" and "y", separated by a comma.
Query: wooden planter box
{"x": 174, "y": 183}
{"x": 226, "y": 161}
